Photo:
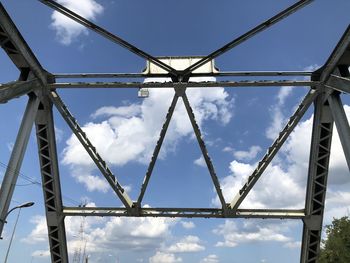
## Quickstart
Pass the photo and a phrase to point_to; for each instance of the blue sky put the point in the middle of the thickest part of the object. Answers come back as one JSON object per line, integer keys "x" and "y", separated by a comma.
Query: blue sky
{"x": 238, "y": 124}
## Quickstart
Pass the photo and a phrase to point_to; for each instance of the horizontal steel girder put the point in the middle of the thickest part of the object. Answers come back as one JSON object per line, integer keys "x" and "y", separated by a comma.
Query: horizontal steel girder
{"x": 186, "y": 212}
{"x": 203, "y": 84}
{"x": 215, "y": 74}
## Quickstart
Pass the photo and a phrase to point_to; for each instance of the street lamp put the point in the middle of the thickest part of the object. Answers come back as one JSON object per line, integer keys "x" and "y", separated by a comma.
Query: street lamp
{"x": 29, "y": 204}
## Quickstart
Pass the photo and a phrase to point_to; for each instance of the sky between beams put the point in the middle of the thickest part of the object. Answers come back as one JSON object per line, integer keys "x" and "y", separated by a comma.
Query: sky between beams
{"x": 238, "y": 125}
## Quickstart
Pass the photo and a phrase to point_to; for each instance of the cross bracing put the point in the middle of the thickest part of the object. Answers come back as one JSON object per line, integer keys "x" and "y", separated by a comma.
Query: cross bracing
{"x": 43, "y": 88}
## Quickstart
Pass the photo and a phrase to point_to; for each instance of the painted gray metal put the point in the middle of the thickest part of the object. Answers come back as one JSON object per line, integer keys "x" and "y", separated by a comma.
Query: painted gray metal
{"x": 187, "y": 212}
{"x": 341, "y": 123}
{"x": 334, "y": 75}
{"x": 45, "y": 133}
{"x": 272, "y": 151}
{"x": 157, "y": 149}
{"x": 201, "y": 84}
{"x": 16, "y": 47}
{"x": 17, "y": 155}
{"x": 16, "y": 89}
{"x": 317, "y": 180}
{"x": 91, "y": 150}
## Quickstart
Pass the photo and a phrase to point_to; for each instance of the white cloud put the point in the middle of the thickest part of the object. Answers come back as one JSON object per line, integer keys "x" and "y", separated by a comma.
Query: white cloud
{"x": 39, "y": 233}
{"x": 210, "y": 259}
{"x": 85, "y": 176}
{"x": 188, "y": 224}
{"x": 107, "y": 236}
{"x": 247, "y": 155}
{"x": 249, "y": 232}
{"x": 185, "y": 245}
{"x": 276, "y": 110}
{"x": 124, "y": 137}
{"x": 66, "y": 29}
{"x": 293, "y": 245}
{"x": 161, "y": 257}
{"x": 227, "y": 149}
{"x": 123, "y": 111}
{"x": 41, "y": 253}
{"x": 200, "y": 161}
{"x": 283, "y": 185}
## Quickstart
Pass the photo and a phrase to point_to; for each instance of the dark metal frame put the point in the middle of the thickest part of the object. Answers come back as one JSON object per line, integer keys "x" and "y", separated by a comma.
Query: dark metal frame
{"x": 325, "y": 85}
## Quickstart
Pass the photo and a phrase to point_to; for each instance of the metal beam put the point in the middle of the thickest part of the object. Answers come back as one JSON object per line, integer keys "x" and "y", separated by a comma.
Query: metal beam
{"x": 202, "y": 84}
{"x": 247, "y": 35}
{"x": 15, "y": 162}
{"x": 186, "y": 212}
{"x": 215, "y": 74}
{"x": 91, "y": 150}
{"x": 341, "y": 123}
{"x": 336, "y": 56}
{"x": 338, "y": 83}
{"x": 16, "y": 89}
{"x": 103, "y": 32}
{"x": 272, "y": 151}
{"x": 317, "y": 180}
{"x": 203, "y": 147}
{"x": 157, "y": 149}
{"x": 17, "y": 48}
{"x": 51, "y": 182}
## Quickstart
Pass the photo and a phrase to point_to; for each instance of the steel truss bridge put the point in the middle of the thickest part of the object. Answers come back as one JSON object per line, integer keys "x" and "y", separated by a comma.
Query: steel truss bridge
{"x": 326, "y": 84}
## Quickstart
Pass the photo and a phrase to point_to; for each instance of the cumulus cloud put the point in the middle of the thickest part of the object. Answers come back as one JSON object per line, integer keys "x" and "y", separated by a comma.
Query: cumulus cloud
{"x": 128, "y": 133}
{"x": 249, "y": 232}
{"x": 108, "y": 235}
{"x": 247, "y": 155}
{"x": 283, "y": 185}
{"x": 68, "y": 30}
{"x": 188, "y": 224}
{"x": 161, "y": 257}
{"x": 278, "y": 118}
{"x": 212, "y": 258}
{"x": 185, "y": 245}
{"x": 200, "y": 162}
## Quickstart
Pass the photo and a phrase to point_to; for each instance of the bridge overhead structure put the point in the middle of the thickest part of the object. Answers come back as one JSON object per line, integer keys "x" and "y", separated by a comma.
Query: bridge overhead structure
{"x": 325, "y": 86}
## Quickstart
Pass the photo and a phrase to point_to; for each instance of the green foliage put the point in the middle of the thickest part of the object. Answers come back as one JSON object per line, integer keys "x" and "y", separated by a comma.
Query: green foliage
{"x": 336, "y": 248}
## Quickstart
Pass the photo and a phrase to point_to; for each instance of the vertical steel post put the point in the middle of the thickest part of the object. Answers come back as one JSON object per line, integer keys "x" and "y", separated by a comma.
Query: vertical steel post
{"x": 341, "y": 123}
{"x": 51, "y": 181}
{"x": 15, "y": 162}
{"x": 317, "y": 180}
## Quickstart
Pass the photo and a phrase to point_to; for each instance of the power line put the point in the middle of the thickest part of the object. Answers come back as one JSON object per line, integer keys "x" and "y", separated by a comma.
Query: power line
{"x": 33, "y": 181}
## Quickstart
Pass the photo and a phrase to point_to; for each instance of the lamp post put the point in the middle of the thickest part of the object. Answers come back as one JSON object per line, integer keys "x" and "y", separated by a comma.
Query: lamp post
{"x": 29, "y": 204}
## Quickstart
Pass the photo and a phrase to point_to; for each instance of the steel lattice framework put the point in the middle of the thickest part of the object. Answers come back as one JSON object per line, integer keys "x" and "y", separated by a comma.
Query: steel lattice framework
{"x": 325, "y": 84}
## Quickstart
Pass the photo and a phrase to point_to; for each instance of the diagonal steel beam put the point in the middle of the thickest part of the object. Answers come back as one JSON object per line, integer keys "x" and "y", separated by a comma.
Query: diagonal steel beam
{"x": 157, "y": 149}
{"x": 277, "y": 144}
{"x": 17, "y": 88}
{"x": 103, "y": 32}
{"x": 342, "y": 46}
{"x": 204, "y": 150}
{"x": 247, "y": 35}
{"x": 17, "y": 48}
{"x": 17, "y": 155}
{"x": 91, "y": 150}
{"x": 341, "y": 123}
{"x": 338, "y": 83}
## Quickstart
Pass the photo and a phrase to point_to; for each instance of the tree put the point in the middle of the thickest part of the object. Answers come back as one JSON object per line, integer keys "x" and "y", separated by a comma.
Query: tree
{"x": 336, "y": 247}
